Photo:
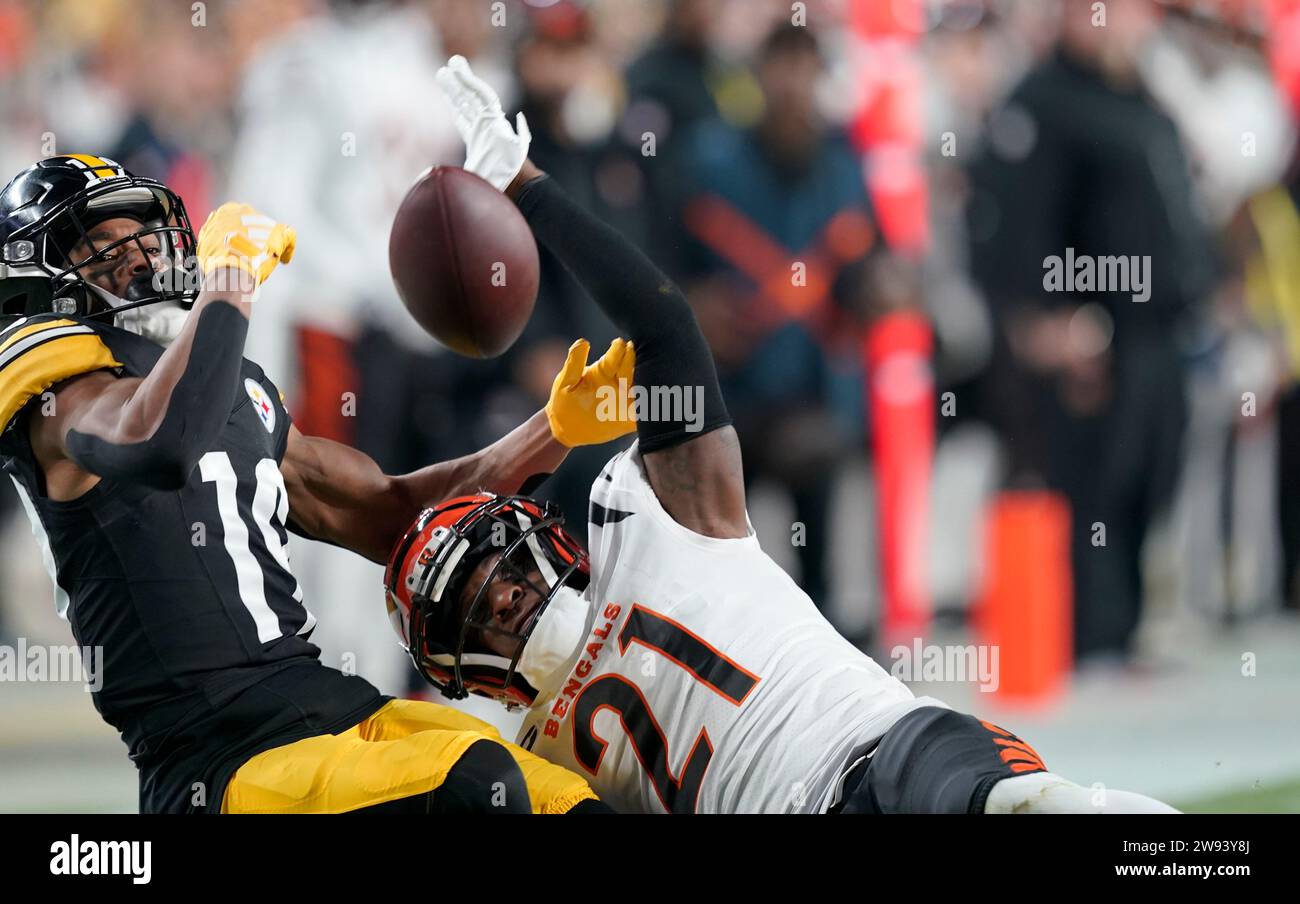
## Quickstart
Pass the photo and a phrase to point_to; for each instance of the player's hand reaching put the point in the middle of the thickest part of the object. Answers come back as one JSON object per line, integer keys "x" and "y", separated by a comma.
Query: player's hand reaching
{"x": 238, "y": 236}
{"x": 584, "y": 407}
{"x": 493, "y": 150}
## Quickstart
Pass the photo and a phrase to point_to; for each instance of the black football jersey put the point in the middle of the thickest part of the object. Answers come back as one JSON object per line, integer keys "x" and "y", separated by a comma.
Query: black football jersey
{"x": 188, "y": 594}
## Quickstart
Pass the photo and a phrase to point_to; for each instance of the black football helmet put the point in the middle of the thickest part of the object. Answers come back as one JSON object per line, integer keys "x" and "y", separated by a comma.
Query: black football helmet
{"x": 46, "y": 213}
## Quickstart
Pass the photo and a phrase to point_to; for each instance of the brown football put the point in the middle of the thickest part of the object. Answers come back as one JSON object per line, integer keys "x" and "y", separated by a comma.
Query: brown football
{"x": 464, "y": 262}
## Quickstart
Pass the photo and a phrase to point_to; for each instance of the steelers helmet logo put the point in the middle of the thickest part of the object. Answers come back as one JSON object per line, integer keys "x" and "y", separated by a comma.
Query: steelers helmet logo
{"x": 261, "y": 403}
{"x": 96, "y": 169}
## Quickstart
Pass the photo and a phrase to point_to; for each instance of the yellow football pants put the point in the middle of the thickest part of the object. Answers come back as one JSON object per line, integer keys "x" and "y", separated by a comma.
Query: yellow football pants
{"x": 405, "y": 750}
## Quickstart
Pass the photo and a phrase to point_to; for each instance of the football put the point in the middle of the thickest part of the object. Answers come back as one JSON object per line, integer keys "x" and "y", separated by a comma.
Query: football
{"x": 464, "y": 262}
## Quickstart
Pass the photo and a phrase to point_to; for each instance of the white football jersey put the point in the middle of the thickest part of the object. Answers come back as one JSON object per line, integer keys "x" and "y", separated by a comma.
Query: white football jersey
{"x": 708, "y": 681}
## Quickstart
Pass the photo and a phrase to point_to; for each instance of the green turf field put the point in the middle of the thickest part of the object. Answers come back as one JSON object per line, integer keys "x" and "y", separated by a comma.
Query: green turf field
{"x": 1263, "y": 797}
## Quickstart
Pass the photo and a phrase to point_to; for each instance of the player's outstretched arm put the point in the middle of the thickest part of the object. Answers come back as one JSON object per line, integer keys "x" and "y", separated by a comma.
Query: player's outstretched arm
{"x": 692, "y": 458}
{"x": 340, "y": 495}
{"x": 153, "y": 430}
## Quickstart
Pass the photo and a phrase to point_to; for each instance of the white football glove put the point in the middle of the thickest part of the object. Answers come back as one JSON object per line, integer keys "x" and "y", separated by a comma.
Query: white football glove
{"x": 493, "y": 150}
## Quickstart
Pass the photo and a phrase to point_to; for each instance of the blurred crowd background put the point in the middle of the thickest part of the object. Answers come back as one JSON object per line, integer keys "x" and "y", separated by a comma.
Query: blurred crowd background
{"x": 859, "y": 197}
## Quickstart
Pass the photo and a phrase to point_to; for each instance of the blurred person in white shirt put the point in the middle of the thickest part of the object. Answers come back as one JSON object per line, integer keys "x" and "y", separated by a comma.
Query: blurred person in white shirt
{"x": 338, "y": 115}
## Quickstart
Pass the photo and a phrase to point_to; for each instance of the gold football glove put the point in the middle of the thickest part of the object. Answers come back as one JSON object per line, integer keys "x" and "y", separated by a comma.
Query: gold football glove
{"x": 586, "y": 404}
{"x": 237, "y": 235}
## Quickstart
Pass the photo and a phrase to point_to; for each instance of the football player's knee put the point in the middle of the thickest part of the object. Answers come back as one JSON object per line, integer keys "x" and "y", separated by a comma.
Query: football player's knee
{"x": 934, "y": 760}
{"x": 485, "y": 779}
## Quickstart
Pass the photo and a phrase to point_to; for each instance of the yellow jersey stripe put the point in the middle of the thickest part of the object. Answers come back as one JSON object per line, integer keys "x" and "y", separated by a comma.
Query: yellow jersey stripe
{"x": 8, "y": 338}
{"x": 30, "y": 371}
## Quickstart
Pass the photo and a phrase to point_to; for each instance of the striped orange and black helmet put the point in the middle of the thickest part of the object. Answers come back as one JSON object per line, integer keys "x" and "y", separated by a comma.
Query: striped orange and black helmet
{"x": 442, "y": 620}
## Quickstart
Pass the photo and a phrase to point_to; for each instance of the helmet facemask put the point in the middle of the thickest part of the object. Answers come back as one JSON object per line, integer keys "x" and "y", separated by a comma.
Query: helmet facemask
{"x": 455, "y": 640}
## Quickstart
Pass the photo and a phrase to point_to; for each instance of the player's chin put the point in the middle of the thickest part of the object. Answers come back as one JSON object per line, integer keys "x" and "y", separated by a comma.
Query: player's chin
{"x": 500, "y": 644}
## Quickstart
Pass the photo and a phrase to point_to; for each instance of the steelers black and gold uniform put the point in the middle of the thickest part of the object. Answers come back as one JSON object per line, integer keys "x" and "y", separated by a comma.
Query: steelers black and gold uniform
{"x": 208, "y": 672}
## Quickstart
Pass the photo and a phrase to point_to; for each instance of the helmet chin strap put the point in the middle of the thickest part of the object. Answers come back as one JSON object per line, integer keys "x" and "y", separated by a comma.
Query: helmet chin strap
{"x": 139, "y": 313}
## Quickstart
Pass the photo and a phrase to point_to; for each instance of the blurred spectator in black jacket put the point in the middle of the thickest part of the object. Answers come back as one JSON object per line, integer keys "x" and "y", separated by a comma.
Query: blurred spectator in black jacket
{"x": 1087, "y": 387}
{"x": 670, "y": 89}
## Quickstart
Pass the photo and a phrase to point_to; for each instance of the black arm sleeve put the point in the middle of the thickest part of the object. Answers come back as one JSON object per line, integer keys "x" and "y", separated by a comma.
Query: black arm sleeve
{"x": 199, "y": 407}
{"x": 674, "y": 367}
